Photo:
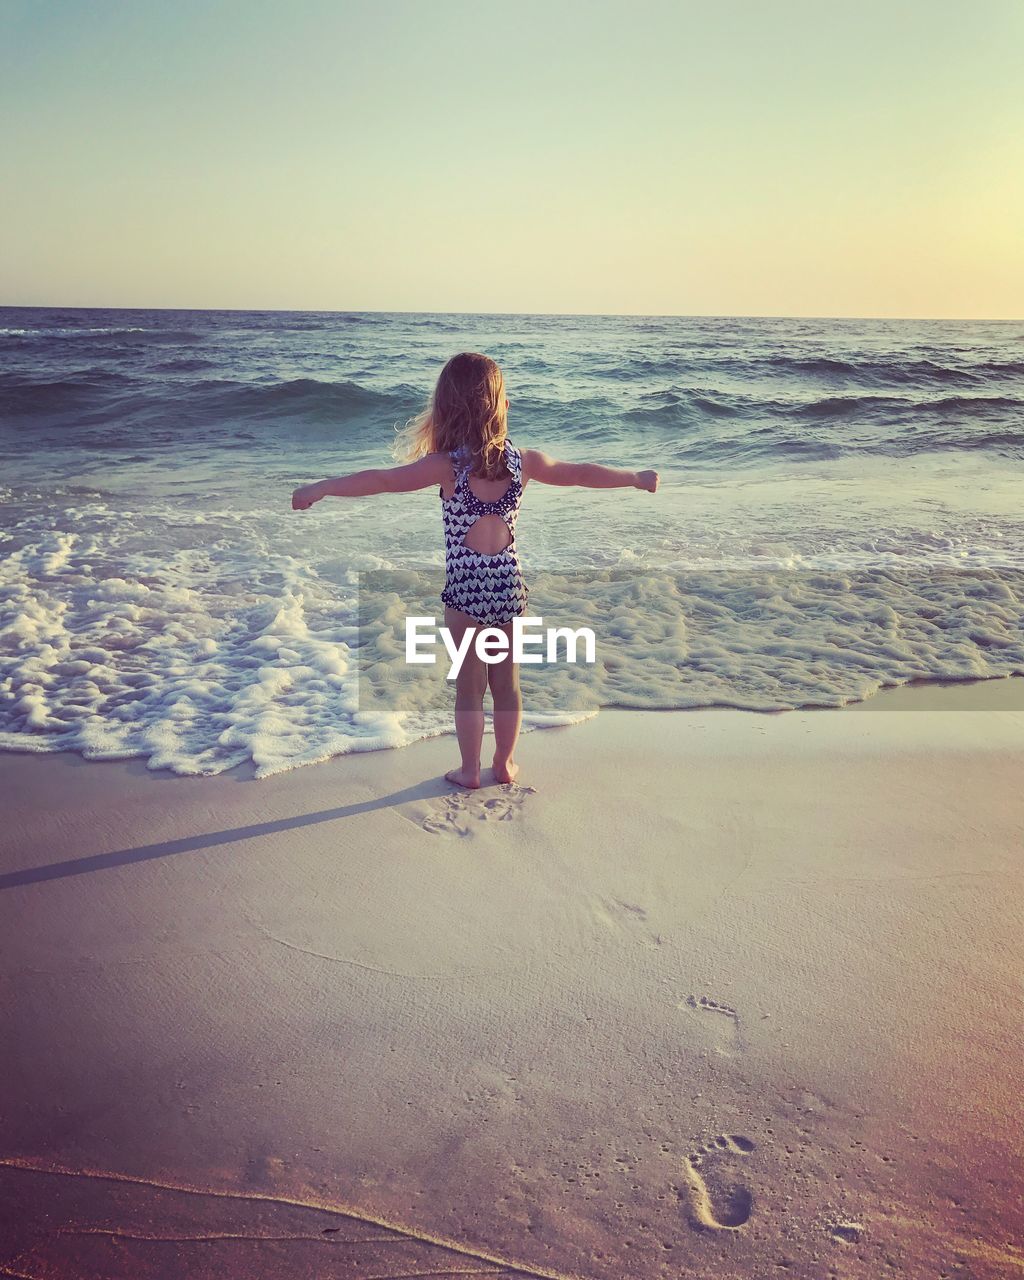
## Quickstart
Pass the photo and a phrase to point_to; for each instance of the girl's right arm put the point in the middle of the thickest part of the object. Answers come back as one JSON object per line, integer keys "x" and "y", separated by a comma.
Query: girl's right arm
{"x": 590, "y": 475}
{"x": 432, "y": 469}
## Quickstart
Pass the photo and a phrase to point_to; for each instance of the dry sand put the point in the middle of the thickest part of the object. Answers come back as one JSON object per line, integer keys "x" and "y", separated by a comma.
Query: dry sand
{"x": 729, "y": 995}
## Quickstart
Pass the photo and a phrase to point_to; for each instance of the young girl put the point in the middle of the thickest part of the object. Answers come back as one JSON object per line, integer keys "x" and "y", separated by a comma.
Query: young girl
{"x": 460, "y": 443}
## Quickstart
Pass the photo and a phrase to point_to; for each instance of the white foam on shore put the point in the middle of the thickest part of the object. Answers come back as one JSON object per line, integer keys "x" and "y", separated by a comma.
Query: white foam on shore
{"x": 194, "y": 681}
{"x": 203, "y": 639}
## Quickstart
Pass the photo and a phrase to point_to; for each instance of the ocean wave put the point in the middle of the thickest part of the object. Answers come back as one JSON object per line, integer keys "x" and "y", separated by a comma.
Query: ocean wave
{"x": 68, "y": 331}
{"x": 134, "y": 333}
{"x": 307, "y": 398}
{"x": 1008, "y": 443}
{"x": 20, "y": 396}
{"x": 682, "y": 407}
{"x": 751, "y": 448}
{"x": 873, "y": 372}
{"x": 898, "y": 407}
{"x": 184, "y": 364}
{"x": 840, "y": 406}
{"x": 971, "y": 404}
{"x": 743, "y": 398}
{"x": 831, "y": 440}
{"x": 103, "y": 391}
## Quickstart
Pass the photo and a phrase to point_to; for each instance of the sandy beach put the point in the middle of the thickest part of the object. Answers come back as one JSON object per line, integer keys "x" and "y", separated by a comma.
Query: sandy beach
{"x": 675, "y": 350}
{"x": 710, "y": 994}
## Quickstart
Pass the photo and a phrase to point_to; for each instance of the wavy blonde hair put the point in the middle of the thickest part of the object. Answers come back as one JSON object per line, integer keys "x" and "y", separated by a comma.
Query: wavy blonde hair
{"x": 466, "y": 411}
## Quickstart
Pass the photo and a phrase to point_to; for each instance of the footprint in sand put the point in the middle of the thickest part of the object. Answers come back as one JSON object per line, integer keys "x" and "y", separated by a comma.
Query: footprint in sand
{"x": 459, "y": 813}
{"x": 448, "y": 817}
{"x": 846, "y": 1230}
{"x": 715, "y": 1201}
{"x": 623, "y": 917}
{"x": 722, "y": 1019}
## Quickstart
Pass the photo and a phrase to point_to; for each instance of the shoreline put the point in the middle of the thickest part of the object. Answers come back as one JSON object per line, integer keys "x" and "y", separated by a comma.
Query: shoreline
{"x": 1003, "y": 694}
{"x": 727, "y": 990}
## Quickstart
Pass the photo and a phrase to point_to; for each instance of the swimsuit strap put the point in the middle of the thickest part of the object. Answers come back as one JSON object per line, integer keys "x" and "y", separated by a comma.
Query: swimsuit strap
{"x": 460, "y": 464}
{"x": 514, "y": 461}
{"x": 462, "y": 460}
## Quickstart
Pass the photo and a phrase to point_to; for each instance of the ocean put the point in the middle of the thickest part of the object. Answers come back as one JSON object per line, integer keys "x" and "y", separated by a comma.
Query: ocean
{"x": 840, "y": 510}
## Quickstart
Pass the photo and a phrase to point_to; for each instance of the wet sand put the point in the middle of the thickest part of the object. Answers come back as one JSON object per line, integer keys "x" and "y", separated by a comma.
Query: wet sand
{"x": 726, "y": 995}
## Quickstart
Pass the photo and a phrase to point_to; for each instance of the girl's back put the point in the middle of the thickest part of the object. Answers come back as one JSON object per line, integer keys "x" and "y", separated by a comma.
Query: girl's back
{"x": 483, "y": 577}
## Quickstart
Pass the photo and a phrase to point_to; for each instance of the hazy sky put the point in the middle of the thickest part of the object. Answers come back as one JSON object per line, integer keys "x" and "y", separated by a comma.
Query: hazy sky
{"x": 756, "y": 157}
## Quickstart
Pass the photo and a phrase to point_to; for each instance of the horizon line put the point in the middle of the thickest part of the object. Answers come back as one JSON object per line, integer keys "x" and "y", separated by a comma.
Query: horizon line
{"x": 603, "y": 315}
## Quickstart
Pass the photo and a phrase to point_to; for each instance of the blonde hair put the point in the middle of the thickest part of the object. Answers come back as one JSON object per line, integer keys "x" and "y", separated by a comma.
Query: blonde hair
{"x": 466, "y": 411}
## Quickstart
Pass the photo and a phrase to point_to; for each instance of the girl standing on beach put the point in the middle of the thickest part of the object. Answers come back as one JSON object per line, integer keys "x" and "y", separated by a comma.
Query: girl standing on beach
{"x": 460, "y": 443}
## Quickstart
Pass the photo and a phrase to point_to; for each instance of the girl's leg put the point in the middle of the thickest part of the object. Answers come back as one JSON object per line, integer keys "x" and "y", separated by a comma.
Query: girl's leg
{"x": 503, "y": 678}
{"x": 470, "y": 686}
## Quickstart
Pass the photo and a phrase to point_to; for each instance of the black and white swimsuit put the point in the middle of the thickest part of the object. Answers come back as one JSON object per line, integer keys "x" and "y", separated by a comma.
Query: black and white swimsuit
{"x": 488, "y": 588}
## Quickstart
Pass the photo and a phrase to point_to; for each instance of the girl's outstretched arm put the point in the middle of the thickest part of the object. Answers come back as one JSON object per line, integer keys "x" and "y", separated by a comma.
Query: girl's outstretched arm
{"x": 432, "y": 469}
{"x": 589, "y": 475}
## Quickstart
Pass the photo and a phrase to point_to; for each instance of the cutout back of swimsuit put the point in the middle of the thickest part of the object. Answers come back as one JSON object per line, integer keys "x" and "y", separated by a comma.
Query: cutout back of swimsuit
{"x": 488, "y": 535}
{"x": 490, "y": 527}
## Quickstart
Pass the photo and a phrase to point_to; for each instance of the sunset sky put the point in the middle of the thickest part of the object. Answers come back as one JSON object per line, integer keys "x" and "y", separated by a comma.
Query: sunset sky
{"x": 786, "y": 158}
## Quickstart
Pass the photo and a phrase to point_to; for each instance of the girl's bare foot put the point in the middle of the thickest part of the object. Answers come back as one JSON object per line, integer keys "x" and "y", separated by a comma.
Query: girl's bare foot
{"x": 463, "y": 778}
{"x": 505, "y": 770}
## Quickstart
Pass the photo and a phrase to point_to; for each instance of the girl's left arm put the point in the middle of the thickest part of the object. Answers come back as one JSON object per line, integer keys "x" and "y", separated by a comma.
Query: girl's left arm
{"x": 588, "y": 475}
{"x": 432, "y": 469}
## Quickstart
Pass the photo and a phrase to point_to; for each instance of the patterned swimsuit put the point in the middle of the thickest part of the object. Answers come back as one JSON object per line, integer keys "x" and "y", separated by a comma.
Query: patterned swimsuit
{"x": 488, "y": 588}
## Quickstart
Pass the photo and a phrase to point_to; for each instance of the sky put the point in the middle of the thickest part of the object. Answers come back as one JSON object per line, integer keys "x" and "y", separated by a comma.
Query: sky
{"x": 655, "y": 157}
